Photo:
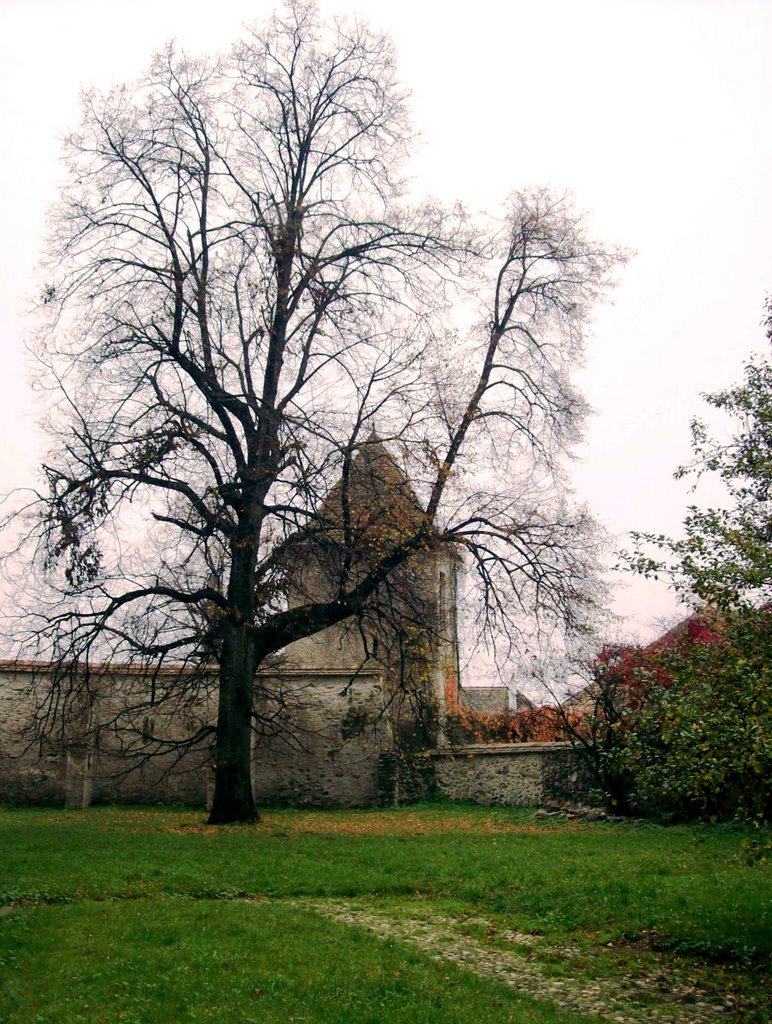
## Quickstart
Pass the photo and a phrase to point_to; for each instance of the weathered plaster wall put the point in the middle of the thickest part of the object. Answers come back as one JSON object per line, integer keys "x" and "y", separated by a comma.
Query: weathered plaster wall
{"x": 328, "y": 741}
{"x": 164, "y": 781}
{"x": 84, "y": 759}
{"x": 326, "y": 754}
{"x": 27, "y": 774}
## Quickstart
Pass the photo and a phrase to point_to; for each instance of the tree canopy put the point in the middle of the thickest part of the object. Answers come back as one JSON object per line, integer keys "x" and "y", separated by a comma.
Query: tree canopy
{"x": 240, "y": 289}
{"x": 725, "y": 555}
{"x": 696, "y": 740}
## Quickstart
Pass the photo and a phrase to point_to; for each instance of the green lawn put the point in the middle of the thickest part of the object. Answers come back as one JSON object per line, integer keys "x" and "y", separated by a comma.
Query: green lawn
{"x": 150, "y": 916}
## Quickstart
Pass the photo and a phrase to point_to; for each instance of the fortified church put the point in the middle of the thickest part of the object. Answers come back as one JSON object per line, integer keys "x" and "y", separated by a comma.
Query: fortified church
{"x": 338, "y": 715}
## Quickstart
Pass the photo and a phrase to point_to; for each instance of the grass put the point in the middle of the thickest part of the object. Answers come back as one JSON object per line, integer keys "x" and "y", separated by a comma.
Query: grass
{"x": 237, "y": 962}
{"x": 149, "y": 915}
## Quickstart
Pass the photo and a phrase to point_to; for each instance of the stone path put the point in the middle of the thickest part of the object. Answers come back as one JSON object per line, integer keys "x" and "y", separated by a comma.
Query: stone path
{"x": 657, "y": 992}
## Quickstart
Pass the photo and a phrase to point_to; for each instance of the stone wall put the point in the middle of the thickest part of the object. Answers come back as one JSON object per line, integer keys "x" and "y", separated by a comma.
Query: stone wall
{"x": 327, "y": 741}
{"x": 164, "y": 780}
{"x": 29, "y": 773}
{"x": 512, "y": 775}
{"x": 84, "y": 757}
{"x": 405, "y": 778}
{"x": 325, "y": 754}
{"x": 567, "y": 779}
{"x": 508, "y": 775}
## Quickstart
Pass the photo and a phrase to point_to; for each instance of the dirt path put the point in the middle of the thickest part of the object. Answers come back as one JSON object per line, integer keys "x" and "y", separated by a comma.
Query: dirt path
{"x": 657, "y": 992}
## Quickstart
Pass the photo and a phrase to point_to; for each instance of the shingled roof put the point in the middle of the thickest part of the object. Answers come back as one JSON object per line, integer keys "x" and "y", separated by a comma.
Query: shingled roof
{"x": 377, "y": 496}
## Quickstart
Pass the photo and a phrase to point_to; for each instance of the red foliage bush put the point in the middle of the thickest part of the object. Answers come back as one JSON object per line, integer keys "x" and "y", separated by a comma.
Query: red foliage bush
{"x": 543, "y": 724}
{"x": 621, "y": 677}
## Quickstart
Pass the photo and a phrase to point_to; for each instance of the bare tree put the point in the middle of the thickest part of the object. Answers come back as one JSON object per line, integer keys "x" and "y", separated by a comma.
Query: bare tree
{"x": 238, "y": 289}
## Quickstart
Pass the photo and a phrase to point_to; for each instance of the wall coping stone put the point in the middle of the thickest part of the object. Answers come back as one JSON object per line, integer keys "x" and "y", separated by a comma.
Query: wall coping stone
{"x": 490, "y": 749}
{"x": 321, "y": 673}
{"x": 10, "y": 666}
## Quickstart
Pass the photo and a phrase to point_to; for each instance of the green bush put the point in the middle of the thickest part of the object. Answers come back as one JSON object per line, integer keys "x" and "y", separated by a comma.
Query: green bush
{"x": 701, "y": 746}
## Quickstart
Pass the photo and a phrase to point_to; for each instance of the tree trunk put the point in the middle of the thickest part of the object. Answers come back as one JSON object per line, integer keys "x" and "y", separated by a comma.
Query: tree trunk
{"x": 233, "y": 799}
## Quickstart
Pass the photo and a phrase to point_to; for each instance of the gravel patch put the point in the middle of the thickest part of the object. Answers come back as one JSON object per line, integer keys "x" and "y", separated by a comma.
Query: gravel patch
{"x": 658, "y": 993}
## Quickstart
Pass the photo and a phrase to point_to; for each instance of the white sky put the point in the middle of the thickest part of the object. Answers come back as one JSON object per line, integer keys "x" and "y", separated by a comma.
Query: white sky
{"x": 655, "y": 113}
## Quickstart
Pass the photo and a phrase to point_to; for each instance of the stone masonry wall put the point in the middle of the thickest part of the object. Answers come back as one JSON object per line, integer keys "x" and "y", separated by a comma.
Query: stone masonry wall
{"x": 405, "y": 778}
{"x": 326, "y": 754}
{"x": 487, "y": 775}
{"x": 28, "y": 773}
{"x": 335, "y": 749}
{"x": 509, "y": 775}
{"x": 83, "y": 760}
{"x": 567, "y": 779}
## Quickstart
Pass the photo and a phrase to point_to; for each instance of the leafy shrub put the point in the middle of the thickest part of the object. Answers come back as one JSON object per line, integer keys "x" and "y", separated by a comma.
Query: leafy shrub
{"x": 701, "y": 746}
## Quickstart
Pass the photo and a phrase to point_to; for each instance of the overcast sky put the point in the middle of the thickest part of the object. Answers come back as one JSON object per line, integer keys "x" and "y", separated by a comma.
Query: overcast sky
{"x": 655, "y": 113}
